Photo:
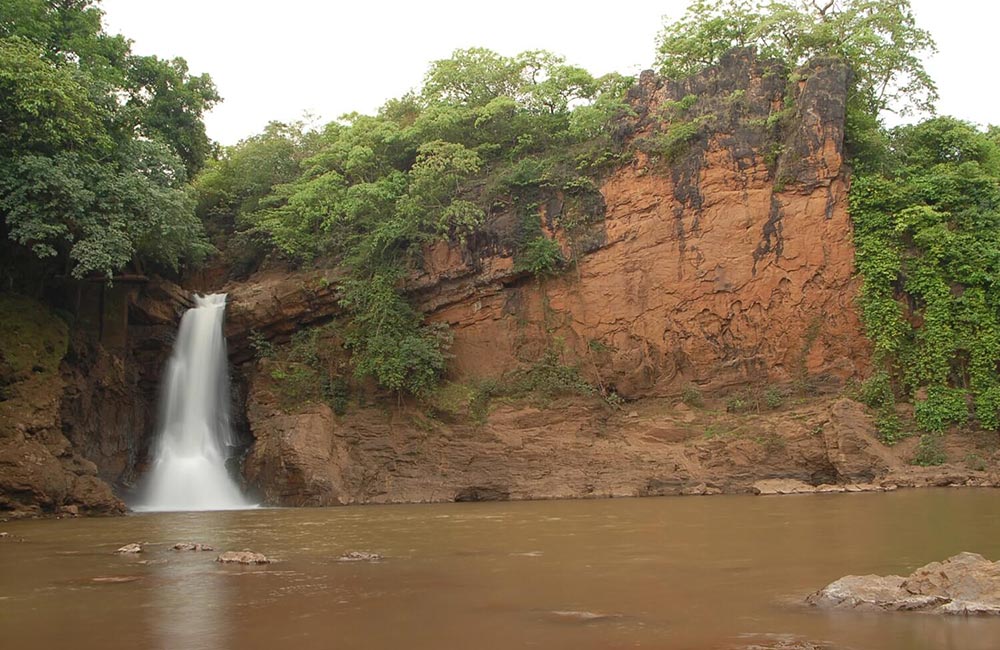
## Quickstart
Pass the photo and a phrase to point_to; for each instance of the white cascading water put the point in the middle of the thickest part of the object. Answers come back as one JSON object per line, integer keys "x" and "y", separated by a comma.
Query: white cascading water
{"x": 189, "y": 467}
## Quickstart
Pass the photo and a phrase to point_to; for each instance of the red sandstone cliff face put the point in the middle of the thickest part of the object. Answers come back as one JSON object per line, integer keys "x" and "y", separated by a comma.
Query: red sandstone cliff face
{"x": 729, "y": 264}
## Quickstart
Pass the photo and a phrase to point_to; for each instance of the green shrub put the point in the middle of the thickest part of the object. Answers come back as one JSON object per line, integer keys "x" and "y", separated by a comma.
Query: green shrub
{"x": 942, "y": 407}
{"x": 549, "y": 377}
{"x": 930, "y": 451}
{"x": 261, "y": 347}
{"x": 675, "y": 141}
{"x": 387, "y": 338}
{"x": 975, "y": 462}
{"x": 308, "y": 369}
{"x": 692, "y": 396}
{"x": 736, "y": 404}
{"x": 876, "y": 391}
{"x": 773, "y": 398}
{"x": 541, "y": 256}
{"x": 482, "y": 394}
{"x": 888, "y": 428}
{"x": 337, "y": 392}
{"x": 614, "y": 400}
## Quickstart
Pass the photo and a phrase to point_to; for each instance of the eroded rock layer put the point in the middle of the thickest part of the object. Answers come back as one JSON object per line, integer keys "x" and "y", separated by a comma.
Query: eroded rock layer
{"x": 573, "y": 448}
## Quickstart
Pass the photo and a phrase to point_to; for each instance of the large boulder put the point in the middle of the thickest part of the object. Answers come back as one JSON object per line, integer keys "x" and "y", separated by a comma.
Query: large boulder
{"x": 966, "y": 584}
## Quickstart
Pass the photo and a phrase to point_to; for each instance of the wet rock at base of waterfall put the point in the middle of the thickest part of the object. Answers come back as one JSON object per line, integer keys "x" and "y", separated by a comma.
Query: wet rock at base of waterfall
{"x": 360, "y": 556}
{"x": 965, "y": 584}
{"x": 130, "y": 548}
{"x": 242, "y": 557}
{"x": 192, "y": 546}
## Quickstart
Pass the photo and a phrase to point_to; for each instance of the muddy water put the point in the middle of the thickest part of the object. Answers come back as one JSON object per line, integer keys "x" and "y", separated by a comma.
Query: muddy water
{"x": 671, "y": 573}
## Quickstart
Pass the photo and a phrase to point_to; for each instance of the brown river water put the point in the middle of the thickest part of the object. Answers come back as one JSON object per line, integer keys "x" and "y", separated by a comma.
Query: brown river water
{"x": 698, "y": 573}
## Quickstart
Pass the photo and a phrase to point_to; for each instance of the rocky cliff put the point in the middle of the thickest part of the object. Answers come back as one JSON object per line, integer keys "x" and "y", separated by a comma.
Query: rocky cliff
{"x": 713, "y": 261}
{"x": 707, "y": 310}
{"x": 40, "y": 469}
{"x": 78, "y": 393}
{"x": 727, "y": 261}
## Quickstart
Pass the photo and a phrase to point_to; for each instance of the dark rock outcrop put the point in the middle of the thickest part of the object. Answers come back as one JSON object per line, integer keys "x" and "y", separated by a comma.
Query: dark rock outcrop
{"x": 40, "y": 469}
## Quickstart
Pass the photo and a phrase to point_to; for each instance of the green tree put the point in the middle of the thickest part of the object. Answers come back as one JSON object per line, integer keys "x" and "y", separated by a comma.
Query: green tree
{"x": 90, "y": 176}
{"x": 879, "y": 39}
{"x": 166, "y": 103}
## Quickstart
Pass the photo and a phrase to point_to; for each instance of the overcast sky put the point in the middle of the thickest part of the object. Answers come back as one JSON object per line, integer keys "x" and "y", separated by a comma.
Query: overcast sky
{"x": 275, "y": 60}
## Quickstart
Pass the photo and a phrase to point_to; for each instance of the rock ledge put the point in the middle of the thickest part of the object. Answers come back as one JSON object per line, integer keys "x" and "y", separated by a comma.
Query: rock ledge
{"x": 965, "y": 584}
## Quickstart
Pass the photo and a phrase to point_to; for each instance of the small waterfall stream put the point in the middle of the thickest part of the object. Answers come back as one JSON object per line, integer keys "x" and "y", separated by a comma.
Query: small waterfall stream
{"x": 189, "y": 466}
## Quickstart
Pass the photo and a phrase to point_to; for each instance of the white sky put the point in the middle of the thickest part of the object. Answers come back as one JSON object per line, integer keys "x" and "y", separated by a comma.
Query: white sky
{"x": 275, "y": 60}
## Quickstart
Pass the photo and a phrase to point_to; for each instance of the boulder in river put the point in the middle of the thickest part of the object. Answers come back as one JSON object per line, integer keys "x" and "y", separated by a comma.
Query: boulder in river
{"x": 130, "y": 548}
{"x": 360, "y": 556}
{"x": 242, "y": 557}
{"x": 966, "y": 584}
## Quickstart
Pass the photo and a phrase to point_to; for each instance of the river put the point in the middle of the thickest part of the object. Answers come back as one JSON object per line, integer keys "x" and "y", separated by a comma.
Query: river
{"x": 698, "y": 573}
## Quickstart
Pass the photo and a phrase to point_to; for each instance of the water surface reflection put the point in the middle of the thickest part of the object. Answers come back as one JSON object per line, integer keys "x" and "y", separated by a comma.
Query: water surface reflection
{"x": 673, "y": 574}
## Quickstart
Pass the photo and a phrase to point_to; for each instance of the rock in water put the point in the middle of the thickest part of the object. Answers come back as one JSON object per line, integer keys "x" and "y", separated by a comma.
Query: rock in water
{"x": 966, "y": 584}
{"x": 130, "y": 548}
{"x": 192, "y": 546}
{"x": 242, "y": 557}
{"x": 360, "y": 556}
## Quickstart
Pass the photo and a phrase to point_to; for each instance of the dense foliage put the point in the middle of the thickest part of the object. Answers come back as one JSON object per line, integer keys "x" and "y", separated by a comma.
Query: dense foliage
{"x": 96, "y": 143}
{"x": 927, "y": 231}
{"x": 879, "y": 39}
{"x": 486, "y": 133}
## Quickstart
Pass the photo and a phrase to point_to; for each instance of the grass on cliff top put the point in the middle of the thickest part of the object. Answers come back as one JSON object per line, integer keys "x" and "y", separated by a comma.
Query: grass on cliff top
{"x": 32, "y": 338}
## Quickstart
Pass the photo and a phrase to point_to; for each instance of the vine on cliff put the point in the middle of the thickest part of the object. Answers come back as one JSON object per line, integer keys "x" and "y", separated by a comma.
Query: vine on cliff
{"x": 927, "y": 232}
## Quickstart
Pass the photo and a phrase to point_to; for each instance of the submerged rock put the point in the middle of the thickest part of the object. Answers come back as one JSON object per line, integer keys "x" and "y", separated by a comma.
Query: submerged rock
{"x": 360, "y": 556}
{"x": 966, "y": 584}
{"x": 130, "y": 548}
{"x": 114, "y": 580}
{"x": 242, "y": 557}
{"x": 579, "y": 616}
{"x": 785, "y": 642}
{"x": 192, "y": 546}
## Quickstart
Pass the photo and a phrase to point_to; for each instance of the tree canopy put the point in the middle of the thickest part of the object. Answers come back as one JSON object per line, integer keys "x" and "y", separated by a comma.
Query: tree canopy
{"x": 96, "y": 144}
{"x": 879, "y": 39}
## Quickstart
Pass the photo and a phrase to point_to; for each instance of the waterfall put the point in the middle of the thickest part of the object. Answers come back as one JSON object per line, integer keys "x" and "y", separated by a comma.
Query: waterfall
{"x": 189, "y": 467}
